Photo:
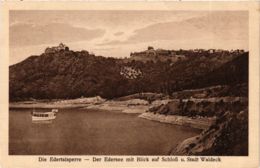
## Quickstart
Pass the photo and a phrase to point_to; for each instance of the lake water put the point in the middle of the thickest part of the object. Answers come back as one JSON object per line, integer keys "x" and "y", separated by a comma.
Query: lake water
{"x": 92, "y": 132}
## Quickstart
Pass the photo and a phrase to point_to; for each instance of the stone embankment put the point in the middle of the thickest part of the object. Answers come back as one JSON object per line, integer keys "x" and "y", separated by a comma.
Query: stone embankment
{"x": 224, "y": 121}
{"x": 199, "y": 122}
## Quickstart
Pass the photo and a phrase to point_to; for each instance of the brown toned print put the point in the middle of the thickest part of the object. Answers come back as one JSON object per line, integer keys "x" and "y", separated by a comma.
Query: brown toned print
{"x": 126, "y": 82}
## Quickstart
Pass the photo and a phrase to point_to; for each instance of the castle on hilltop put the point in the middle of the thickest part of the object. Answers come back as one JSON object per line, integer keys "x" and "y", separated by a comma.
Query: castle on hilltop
{"x": 58, "y": 48}
{"x": 155, "y": 55}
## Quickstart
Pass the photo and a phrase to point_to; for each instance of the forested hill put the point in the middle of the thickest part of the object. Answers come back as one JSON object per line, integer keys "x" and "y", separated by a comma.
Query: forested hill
{"x": 70, "y": 74}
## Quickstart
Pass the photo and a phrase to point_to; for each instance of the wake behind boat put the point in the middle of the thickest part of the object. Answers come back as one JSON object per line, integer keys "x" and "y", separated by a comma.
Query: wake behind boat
{"x": 44, "y": 116}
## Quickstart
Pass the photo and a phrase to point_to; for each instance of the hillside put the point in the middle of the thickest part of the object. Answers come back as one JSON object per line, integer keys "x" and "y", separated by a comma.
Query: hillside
{"x": 227, "y": 137}
{"x": 72, "y": 74}
{"x": 65, "y": 74}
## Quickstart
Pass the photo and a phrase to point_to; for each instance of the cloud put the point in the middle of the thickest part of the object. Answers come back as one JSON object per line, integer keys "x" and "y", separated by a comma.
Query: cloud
{"x": 24, "y": 34}
{"x": 114, "y": 42}
{"x": 118, "y": 33}
{"x": 215, "y": 26}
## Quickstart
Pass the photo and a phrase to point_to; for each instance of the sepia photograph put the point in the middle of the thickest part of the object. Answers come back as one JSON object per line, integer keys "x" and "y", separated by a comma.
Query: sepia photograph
{"x": 129, "y": 82}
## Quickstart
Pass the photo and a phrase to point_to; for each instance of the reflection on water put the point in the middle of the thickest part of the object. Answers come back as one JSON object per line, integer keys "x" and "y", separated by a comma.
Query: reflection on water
{"x": 92, "y": 132}
{"x": 42, "y": 122}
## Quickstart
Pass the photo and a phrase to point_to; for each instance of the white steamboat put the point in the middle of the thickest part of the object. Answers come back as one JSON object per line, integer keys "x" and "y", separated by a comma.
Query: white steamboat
{"x": 44, "y": 116}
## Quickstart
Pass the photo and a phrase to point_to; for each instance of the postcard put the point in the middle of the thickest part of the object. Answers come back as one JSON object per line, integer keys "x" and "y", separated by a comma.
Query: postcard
{"x": 129, "y": 84}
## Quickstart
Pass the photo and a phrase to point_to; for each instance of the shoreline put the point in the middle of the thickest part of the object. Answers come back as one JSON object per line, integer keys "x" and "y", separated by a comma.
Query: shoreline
{"x": 70, "y": 103}
{"x": 133, "y": 106}
{"x": 44, "y": 105}
{"x": 199, "y": 123}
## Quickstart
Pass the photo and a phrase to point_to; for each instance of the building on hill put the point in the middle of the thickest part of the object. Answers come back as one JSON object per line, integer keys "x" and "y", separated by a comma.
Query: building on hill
{"x": 155, "y": 55}
{"x": 211, "y": 51}
{"x": 150, "y": 48}
{"x": 163, "y": 52}
{"x": 58, "y": 48}
{"x": 130, "y": 72}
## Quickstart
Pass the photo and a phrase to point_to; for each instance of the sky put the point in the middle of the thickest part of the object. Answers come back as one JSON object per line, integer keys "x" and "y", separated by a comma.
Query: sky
{"x": 115, "y": 33}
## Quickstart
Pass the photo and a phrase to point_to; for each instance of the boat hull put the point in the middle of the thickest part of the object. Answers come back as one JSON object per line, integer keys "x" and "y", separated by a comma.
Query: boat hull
{"x": 35, "y": 118}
